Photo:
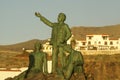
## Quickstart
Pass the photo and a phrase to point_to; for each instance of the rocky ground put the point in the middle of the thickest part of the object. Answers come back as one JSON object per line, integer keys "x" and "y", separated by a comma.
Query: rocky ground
{"x": 97, "y": 67}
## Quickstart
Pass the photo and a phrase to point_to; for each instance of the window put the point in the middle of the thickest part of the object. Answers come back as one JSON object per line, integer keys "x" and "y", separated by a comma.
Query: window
{"x": 90, "y": 37}
{"x": 104, "y": 37}
{"x": 83, "y": 43}
{"x": 50, "y": 48}
{"x": 99, "y": 42}
{"x": 105, "y": 43}
{"x": 111, "y": 43}
{"x": 89, "y": 43}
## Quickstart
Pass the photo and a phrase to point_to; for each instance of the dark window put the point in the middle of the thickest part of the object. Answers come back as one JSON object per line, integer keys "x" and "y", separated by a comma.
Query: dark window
{"x": 111, "y": 43}
{"x": 104, "y": 37}
{"x": 89, "y": 43}
{"x": 90, "y": 37}
{"x": 99, "y": 42}
{"x": 105, "y": 43}
{"x": 83, "y": 43}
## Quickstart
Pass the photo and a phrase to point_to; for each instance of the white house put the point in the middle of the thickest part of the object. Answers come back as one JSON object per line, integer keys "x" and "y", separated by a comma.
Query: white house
{"x": 114, "y": 44}
{"x": 98, "y": 42}
{"x": 92, "y": 42}
{"x": 47, "y": 48}
{"x": 80, "y": 44}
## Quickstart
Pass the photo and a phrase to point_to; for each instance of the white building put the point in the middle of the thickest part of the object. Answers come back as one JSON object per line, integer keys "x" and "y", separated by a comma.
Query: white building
{"x": 98, "y": 42}
{"x": 114, "y": 44}
{"x": 47, "y": 48}
{"x": 92, "y": 42}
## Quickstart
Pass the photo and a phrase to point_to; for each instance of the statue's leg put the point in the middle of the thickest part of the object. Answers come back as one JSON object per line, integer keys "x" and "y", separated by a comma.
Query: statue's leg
{"x": 62, "y": 57}
{"x": 69, "y": 71}
{"x": 79, "y": 72}
{"x": 54, "y": 58}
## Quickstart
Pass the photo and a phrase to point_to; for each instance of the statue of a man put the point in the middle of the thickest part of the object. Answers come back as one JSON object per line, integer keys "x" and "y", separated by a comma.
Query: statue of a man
{"x": 37, "y": 60}
{"x": 74, "y": 62}
{"x": 60, "y": 34}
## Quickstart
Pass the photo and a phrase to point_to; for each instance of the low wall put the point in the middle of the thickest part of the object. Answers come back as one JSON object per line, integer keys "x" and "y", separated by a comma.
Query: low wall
{"x": 97, "y": 52}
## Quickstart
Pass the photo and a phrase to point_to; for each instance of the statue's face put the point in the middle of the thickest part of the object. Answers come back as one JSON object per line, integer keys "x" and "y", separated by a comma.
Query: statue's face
{"x": 61, "y": 17}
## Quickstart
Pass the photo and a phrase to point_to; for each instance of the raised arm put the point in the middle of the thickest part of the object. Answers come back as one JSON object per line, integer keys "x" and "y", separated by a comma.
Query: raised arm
{"x": 43, "y": 19}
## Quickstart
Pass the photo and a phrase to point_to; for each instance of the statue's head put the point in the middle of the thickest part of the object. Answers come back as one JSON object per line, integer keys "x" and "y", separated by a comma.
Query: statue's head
{"x": 37, "y": 46}
{"x": 61, "y": 17}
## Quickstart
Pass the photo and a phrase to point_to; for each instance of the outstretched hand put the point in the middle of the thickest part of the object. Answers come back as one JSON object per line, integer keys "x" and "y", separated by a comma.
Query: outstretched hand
{"x": 37, "y": 14}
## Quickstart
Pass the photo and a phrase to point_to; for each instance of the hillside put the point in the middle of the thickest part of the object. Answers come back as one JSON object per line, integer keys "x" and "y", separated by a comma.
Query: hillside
{"x": 18, "y": 47}
{"x": 81, "y": 31}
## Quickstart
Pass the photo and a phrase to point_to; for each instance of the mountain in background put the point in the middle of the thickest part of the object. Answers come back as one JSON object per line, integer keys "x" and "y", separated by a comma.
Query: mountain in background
{"x": 18, "y": 47}
{"x": 79, "y": 33}
{"x": 112, "y": 30}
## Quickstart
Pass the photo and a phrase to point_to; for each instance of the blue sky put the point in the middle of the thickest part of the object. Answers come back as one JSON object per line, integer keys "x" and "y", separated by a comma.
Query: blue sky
{"x": 18, "y": 22}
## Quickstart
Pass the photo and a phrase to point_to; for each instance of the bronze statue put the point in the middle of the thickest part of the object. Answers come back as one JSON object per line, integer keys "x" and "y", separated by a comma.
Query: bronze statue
{"x": 37, "y": 60}
{"x": 74, "y": 63}
{"x": 60, "y": 34}
{"x": 70, "y": 64}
